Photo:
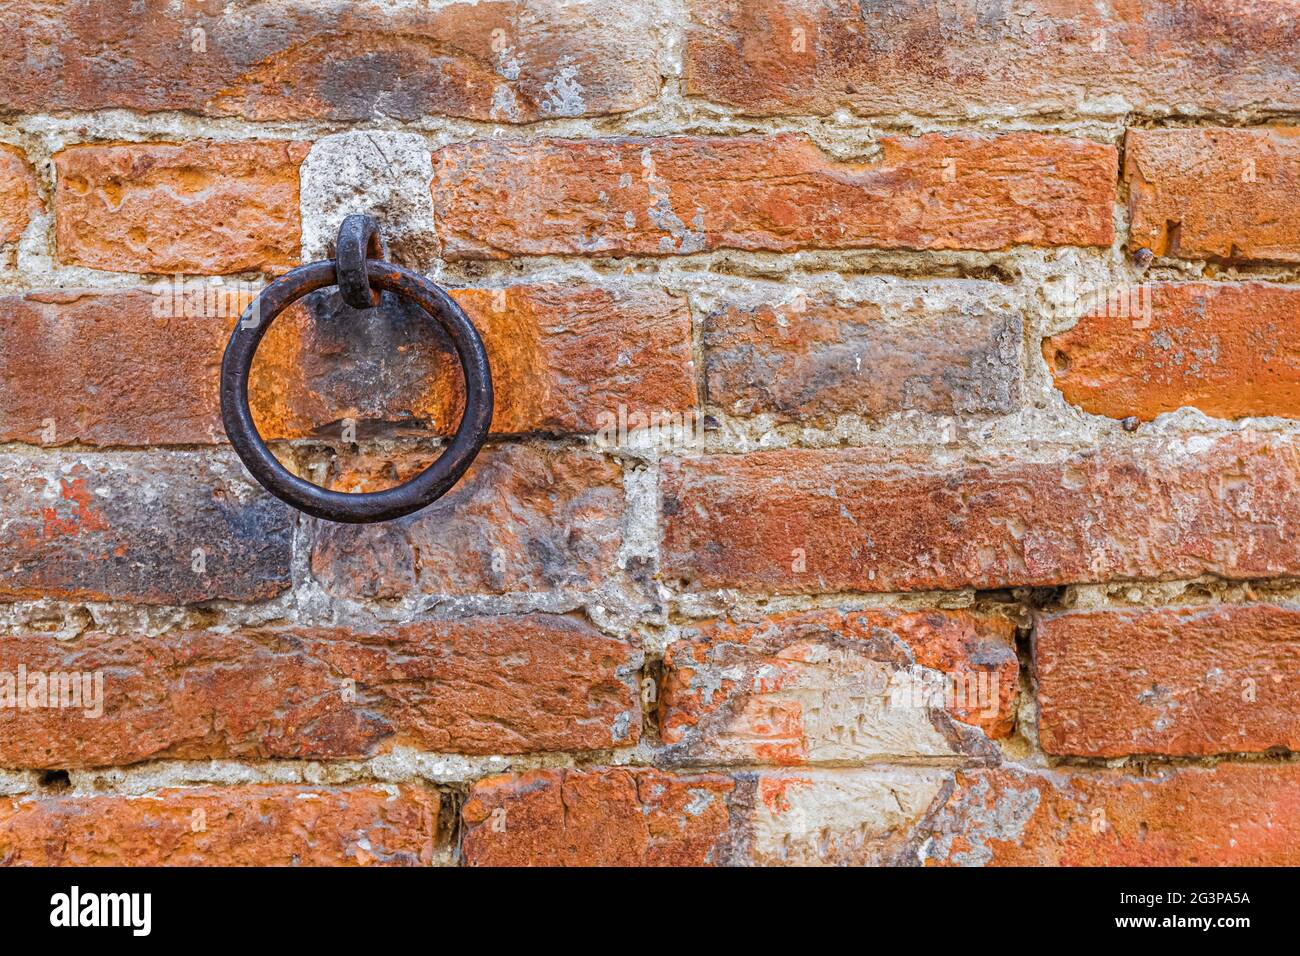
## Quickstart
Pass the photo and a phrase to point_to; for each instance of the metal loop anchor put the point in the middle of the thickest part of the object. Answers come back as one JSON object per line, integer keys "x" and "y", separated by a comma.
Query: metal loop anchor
{"x": 356, "y": 237}
{"x": 358, "y": 240}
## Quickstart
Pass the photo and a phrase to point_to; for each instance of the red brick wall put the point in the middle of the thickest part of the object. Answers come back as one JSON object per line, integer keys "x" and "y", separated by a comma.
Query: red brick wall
{"x": 894, "y": 457}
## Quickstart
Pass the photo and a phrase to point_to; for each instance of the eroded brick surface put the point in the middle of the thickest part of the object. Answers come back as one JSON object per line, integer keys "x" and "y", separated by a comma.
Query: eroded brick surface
{"x": 154, "y": 527}
{"x": 1020, "y": 56}
{"x": 1183, "y": 681}
{"x": 611, "y": 817}
{"x": 639, "y": 817}
{"x": 484, "y": 685}
{"x": 102, "y": 367}
{"x": 835, "y": 687}
{"x": 1215, "y": 193}
{"x": 1229, "y": 815}
{"x": 815, "y": 358}
{"x": 822, "y": 521}
{"x": 207, "y": 208}
{"x": 524, "y": 518}
{"x": 20, "y": 197}
{"x": 678, "y": 195}
{"x": 1225, "y": 349}
{"x": 508, "y": 62}
{"x": 224, "y": 826}
{"x": 1232, "y": 814}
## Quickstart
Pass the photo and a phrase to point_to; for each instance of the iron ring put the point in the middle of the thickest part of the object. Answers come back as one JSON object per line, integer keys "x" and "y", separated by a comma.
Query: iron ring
{"x": 427, "y": 487}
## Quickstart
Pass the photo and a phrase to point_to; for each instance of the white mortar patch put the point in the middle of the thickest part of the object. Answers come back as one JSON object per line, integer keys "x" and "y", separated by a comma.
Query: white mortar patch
{"x": 837, "y": 816}
{"x": 386, "y": 175}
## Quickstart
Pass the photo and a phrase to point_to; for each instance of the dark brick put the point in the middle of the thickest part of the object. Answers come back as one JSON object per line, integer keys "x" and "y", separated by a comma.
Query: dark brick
{"x": 129, "y": 527}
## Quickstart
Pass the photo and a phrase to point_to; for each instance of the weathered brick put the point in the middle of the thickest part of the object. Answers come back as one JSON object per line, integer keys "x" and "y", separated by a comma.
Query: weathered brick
{"x": 513, "y": 62}
{"x": 610, "y": 817}
{"x": 1019, "y": 56}
{"x": 104, "y": 368}
{"x": 817, "y": 357}
{"x": 1182, "y": 681}
{"x": 524, "y": 518}
{"x": 1231, "y": 815}
{"x": 224, "y": 826}
{"x": 561, "y": 359}
{"x": 1215, "y": 193}
{"x": 836, "y": 687}
{"x": 1222, "y": 348}
{"x": 677, "y": 195}
{"x": 159, "y": 528}
{"x": 207, "y": 208}
{"x": 819, "y": 521}
{"x": 140, "y": 366}
{"x": 639, "y": 817}
{"x": 20, "y": 197}
{"x": 510, "y": 684}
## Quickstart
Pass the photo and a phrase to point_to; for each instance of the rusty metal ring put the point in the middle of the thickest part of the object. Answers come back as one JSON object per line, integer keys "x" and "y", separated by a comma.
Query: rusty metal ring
{"x": 358, "y": 240}
{"x": 425, "y": 488}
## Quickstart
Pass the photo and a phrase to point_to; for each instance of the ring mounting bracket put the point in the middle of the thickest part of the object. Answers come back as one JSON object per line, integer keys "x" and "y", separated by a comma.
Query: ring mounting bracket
{"x": 360, "y": 276}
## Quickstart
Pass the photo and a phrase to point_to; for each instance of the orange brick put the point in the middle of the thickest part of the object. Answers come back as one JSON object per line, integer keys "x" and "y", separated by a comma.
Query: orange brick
{"x": 207, "y": 208}
{"x": 610, "y": 817}
{"x": 1231, "y": 815}
{"x": 510, "y": 62}
{"x": 1011, "y": 57}
{"x": 562, "y": 359}
{"x": 635, "y": 816}
{"x": 1231, "y": 194}
{"x": 140, "y": 366}
{"x": 20, "y": 196}
{"x": 100, "y": 368}
{"x": 224, "y": 826}
{"x": 484, "y": 685}
{"x": 1224, "y": 349}
{"x": 677, "y": 195}
{"x": 1188, "y": 681}
{"x": 833, "y": 520}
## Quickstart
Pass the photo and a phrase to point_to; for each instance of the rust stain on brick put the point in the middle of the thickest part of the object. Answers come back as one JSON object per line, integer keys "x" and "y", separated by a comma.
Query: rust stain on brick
{"x": 562, "y": 358}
